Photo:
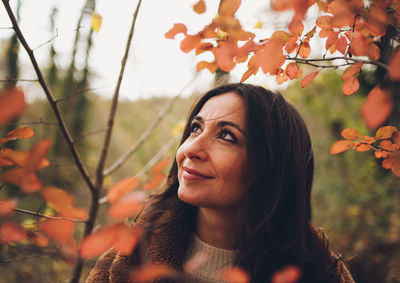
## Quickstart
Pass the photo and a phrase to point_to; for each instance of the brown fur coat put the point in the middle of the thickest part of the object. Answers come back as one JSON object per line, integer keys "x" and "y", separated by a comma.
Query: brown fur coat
{"x": 159, "y": 248}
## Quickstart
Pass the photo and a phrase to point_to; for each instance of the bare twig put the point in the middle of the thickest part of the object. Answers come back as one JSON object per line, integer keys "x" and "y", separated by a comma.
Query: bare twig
{"x": 81, "y": 92}
{"x": 117, "y": 164}
{"x": 78, "y": 139}
{"x": 40, "y": 122}
{"x": 354, "y": 60}
{"x": 49, "y": 96}
{"x": 44, "y": 43}
{"x": 17, "y": 80}
{"x": 2, "y": 185}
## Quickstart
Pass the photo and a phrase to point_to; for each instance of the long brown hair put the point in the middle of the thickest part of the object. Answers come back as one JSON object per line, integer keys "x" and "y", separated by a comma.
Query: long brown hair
{"x": 276, "y": 227}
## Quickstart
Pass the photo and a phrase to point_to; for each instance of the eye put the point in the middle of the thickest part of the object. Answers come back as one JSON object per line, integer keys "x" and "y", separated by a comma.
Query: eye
{"x": 195, "y": 128}
{"x": 227, "y": 136}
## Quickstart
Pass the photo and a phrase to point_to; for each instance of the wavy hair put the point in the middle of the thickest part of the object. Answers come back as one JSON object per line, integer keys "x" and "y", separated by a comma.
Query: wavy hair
{"x": 275, "y": 228}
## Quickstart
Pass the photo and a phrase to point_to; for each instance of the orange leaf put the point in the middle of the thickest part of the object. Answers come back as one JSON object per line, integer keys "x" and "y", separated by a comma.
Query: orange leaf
{"x": 228, "y": 8}
{"x": 121, "y": 188}
{"x": 212, "y": 67}
{"x": 190, "y": 42}
{"x": 385, "y": 132}
{"x": 107, "y": 237}
{"x": 130, "y": 205}
{"x": 332, "y": 39}
{"x": 199, "y": 7}
{"x": 307, "y": 79}
{"x": 7, "y": 206}
{"x": 325, "y": 33}
{"x": 36, "y": 155}
{"x": 281, "y": 77}
{"x": 40, "y": 240}
{"x": 5, "y": 162}
{"x": 291, "y": 44}
{"x": 350, "y": 86}
{"x": 324, "y": 22}
{"x": 396, "y": 137}
{"x": 350, "y": 134}
{"x": 150, "y": 272}
{"x": 225, "y": 54}
{"x": 377, "y": 108}
{"x": 296, "y": 27}
{"x": 21, "y": 157}
{"x": 340, "y": 146}
{"x": 21, "y": 133}
{"x": 396, "y": 167}
{"x": 381, "y": 154}
{"x": 373, "y": 51}
{"x": 363, "y": 147}
{"x": 377, "y": 20}
{"x": 17, "y": 176}
{"x": 234, "y": 275}
{"x": 359, "y": 45}
{"x": 12, "y": 232}
{"x": 289, "y": 274}
{"x": 250, "y": 71}
{"x": 60, "y": 230}
{"x": 351, "y": 71}
{"x": 291, "y": 70}
{"x": 387, "y": 163}
{"x": 177, "y": 28}
{"x": 394, "y": 67}
{"x": 12, "y": 104}
{"x": 245, "y": 49}
{"x": 305, "y": 49}
{"x": 63, "y": 202}
{"x": 341, "y": 45}
{"x": 154, "y": 182}
{"x": 386, "y": 145}
{"x": 271, "y": 57}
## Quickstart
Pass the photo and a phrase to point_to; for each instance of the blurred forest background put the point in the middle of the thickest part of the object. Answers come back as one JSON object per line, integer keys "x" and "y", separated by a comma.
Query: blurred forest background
{"x": 355, "y": 200}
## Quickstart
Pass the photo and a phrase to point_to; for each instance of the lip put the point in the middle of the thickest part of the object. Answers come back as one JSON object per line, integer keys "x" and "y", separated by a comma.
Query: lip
{"x": 191, "y": 174}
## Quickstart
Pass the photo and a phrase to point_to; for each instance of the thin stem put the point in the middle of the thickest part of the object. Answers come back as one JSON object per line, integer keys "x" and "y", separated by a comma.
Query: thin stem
{"x": 354, "y": 60}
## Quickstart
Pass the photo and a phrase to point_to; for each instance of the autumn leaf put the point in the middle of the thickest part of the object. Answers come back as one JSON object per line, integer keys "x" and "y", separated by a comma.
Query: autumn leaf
{"x": 305, "y": 49}
{"x": 291, "y": 44}
{"x": 7, "y": 206}
{"x": 36, "y": 155}
{"x": 340, "y": 146}
{"x": 289, "y": 274}
{"x": 350, "y": 86}
{"x": 332, "y": 39}
{"x": 40, "y": 240}
{"x": 250, "y": 71}
{"x": 225, "y": 54}
{"x": 341, "y": 45}
{"x": 12, "y": 104}
{"x": 12, "y": 232}
{"x": 190, "y": 42}
{"x": 350, "y": 134}
{"x": 359, "y": 45}
{"x": 60, "y": 230}
{"x": 17, "y": 176}
{"x": 377, "y": 108}
{"x": 62, "y": 202}
{"x": 394, "y": 67}
{"x": 292, "y": 70}
{"x": 396, "y": 137}
{"x": 176, "y": 29}
{"x": 211, "y": 66}
{"x": 128, "y": 206}
{"x": 96, "y": 21}
{"x": 119, "y": 236}
{"x": 271, "y": 57}
{"x": 21, "y": 157}
{"x": 234, "y": 275}
{"x": 351, "y": 71}
{"x": 154, "y": 182}
{"x": 373, "y": 51}
{"x": 121, "y": 188}
{"x": 324, "y": 22}
{"x": 21, "y": 133}
{"x": 150, "y": 272}
{"x": 377, "y": 20}
{"x": 296, "y": 27}
{"x": 307, "y": 79}
{"x": 228, "y": 8}
{"x": 385, "y": 132}
{"x": 363, "y": 147}
{"x": 160, "y": 166}
{"x": 199, "y": 7}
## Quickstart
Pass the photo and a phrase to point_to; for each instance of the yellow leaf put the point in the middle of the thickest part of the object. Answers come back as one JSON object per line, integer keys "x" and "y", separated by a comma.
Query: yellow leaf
{"x": 96, "y": 21}
{"x": 258, "y": 25}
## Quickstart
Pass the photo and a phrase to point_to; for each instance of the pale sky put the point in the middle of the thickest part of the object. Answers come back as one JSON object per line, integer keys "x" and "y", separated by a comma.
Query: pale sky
{"x": 156, "y": 66}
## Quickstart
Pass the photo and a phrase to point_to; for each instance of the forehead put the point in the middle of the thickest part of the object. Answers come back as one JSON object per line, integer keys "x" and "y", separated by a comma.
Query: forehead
{"x": 228, "y": 106}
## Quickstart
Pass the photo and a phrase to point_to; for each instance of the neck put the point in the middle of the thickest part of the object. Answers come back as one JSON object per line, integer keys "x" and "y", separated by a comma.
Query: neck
{"x": 218, "y": 228}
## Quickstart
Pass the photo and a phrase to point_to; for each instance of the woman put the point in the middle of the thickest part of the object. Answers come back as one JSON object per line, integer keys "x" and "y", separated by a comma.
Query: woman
{"x": 238, "y": 193}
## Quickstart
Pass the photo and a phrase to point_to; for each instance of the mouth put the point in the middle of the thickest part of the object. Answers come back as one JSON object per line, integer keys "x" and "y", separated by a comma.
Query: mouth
{"x": 193, "y": 174}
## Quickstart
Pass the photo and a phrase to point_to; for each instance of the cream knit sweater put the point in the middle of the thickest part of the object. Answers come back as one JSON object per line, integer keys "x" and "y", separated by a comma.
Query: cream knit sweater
{"x": 205, "y": 262}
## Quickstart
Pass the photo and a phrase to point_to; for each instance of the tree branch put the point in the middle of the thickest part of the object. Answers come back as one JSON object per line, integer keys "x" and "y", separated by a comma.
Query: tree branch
{"x": 49, "y": 96}
{"x": 117, "y": 164}
{"x": 354, "y": 60}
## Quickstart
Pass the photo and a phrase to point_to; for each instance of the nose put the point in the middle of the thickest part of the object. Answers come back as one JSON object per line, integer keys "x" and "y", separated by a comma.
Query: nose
{"x": 196, "y": 148}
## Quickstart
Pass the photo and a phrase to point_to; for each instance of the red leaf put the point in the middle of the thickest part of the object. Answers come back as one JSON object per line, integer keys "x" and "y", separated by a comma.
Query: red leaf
{"x": 21, "y": 133}
{"x": 350, "y": 86}
{"x": 177, "y": 28}
{"x": 341, "y": 146}
{"x": 332, "y": 39}
{"x": 12, "y": 104}
{"x": 324, "y": 22}
{"x": 307, "y": 79}
{"x": 373, "y": 51}
{"x": 289, "y": 274}
{"x": 7, "y": 206}
{"x": 351, "y": 71}
{"x": 63, "y": 202}
{"x": 292, "y": 70}
{"x": 341, "y": 45}
{"x": 150, "y": 272}
{"x": 60, "y": 230}
{"x": 190, "y": 42}
{"x": 250, "y": 71}
{"x": 350, "y": 134}
{"x": 296, "y": 27}
{"x": 116, "y": 235}
{"x": 234, "y": 275}
{"x": 199, "y": 7}
{"x": 225, "y": 54}
{"x": 40, "y": 240}
{"x": 271, "y": 57}
{"x": 130, "y": 205}
{"x": 12, "y": 232}
{"x": 359, "y": 45}
{"x": 228, "y": 8}
{"x": 36, "y": 155}
{"x": 121, "y": 188}
{"x": 394, "y": 67}
{"x": 385, "y": 132}
{"x": 21, "y": 157}
{"x": 28, "y": 183}
{"x": 291, "y": 44}
{"x": 377, "y": 108}
{"x": 377, "y": 20}
{"x": 305, "y": 49}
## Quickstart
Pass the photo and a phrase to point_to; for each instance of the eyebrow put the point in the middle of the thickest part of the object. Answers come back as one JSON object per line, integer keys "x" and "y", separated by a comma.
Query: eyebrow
{"x": 221, "y": 123}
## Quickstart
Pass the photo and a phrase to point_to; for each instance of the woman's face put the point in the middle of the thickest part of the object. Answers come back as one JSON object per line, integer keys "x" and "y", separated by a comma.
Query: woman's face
{"x": 212, "y": 162}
